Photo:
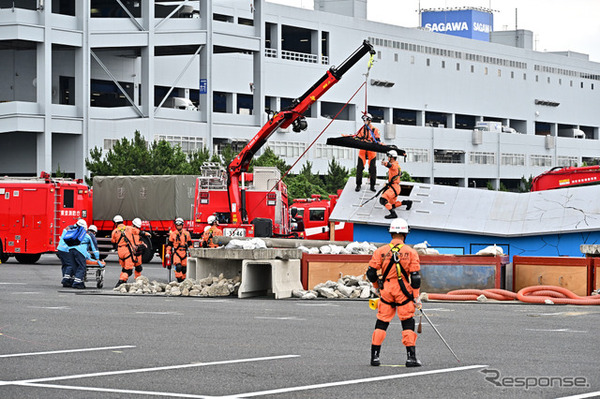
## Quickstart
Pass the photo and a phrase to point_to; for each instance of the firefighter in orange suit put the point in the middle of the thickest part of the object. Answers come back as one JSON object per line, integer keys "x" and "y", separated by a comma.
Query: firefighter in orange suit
{"x": 389, "y": 198}
{"x": 179, "y": 241}
{"x": 211, "y": 232}
{"x": 141, "y": 247}
{"x": 127, "y": 240}
{"x": 367, "y": 132}
{"x": 399, "y": 281}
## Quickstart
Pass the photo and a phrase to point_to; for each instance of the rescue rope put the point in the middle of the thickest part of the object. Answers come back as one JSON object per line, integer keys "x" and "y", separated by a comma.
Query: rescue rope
{"x": 534, "y": 294}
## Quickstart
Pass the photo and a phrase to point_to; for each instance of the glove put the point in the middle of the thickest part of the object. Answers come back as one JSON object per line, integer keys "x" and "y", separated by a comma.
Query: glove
{"x": 418, "y": 303}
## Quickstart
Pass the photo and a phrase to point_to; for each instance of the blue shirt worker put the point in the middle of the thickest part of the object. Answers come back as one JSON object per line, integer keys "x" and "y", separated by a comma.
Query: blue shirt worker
{"x": 74, "y": 268}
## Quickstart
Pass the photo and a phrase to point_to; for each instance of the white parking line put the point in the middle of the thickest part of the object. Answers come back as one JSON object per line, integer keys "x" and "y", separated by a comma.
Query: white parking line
{"x": 582, "y": 396}
{"x": 69, "y": 351}
{"x": 148, "y": 369}
{"x": 555, "y": 330}
{"x": 351, "y": 382}
{"x": 162, "y": 313}
{"x": 123, "y": 391}
{"x": 280, "y": 318}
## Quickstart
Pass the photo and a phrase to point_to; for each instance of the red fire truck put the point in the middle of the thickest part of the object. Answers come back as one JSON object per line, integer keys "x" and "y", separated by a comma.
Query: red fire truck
{"x": 262, "y": 209}
{"x": 34, "y": 211}
{"x": 310, "y": 217}
{"x": 559, "y": 177}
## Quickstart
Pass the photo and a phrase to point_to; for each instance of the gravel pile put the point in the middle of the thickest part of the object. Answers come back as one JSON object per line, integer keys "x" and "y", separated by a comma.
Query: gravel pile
{"x": 205, "y": 287}
{"x": 349, "y": 287}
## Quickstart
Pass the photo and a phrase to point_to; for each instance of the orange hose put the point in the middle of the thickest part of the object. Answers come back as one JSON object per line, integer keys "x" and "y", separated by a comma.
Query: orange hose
{"x": 534, "y": 294}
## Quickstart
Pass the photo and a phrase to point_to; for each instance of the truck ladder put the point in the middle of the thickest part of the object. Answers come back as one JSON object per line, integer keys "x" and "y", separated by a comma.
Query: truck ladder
{"x": 57, "y": 206}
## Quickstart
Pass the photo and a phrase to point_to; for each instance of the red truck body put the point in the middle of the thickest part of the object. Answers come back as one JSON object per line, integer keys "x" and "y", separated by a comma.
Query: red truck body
{"x": 566, "y": 177}
{"x": 34, "y": 211}
{"x": 313, "y": 219}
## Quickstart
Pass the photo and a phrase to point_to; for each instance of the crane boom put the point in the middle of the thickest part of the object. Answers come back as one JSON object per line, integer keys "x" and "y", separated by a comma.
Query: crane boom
{"x": 292, "y": 116}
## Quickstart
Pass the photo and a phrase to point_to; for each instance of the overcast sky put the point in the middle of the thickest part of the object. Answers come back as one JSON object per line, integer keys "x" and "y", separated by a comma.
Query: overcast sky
{"x": 557, "y": 25}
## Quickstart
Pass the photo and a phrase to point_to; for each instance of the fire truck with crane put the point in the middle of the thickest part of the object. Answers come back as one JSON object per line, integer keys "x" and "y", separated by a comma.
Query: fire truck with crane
{"x": 262, "y": 210}
{"x": 570, "y": 176}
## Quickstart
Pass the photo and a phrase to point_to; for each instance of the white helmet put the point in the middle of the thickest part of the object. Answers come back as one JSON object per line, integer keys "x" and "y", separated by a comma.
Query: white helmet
{"x": 367, "y": 117}
{"x": 399, "y": 226}
{"x": 211, "y": 219}
{"x": 118, "y": 219}
{"x": 93, "y": 228}
{"x": 82, "y": 223}
{"x": 206, "y": 228}
{"x": 392, "y": 153}
{"x": 179, "y": 221}
{"x": 137, "y": 222}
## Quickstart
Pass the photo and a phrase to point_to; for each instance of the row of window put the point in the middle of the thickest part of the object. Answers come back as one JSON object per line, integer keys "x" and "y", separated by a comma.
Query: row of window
{"x": 447, "y": 53}
{"x": 476, "y": 57}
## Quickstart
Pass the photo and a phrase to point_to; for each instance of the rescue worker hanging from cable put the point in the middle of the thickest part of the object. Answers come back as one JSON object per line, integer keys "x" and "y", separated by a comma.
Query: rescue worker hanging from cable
{"x": 398, "y": 285}
{"x": 179, "y": 242}
{"x": 367, "y": 132}
{"x": 212, "y": 231}
{"x": 127, "y": 240}
{"x": 389, "y": 198}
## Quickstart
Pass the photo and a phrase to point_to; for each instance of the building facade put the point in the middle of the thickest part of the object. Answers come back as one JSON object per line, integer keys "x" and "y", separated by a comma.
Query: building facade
{"x": 78, "y": 75}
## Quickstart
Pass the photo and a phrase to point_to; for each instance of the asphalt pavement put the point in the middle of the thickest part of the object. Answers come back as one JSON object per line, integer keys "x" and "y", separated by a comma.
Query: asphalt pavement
{"x": 59, "y": 342}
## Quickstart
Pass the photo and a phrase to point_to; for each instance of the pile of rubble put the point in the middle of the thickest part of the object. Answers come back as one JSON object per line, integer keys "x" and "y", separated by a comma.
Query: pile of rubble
{"x": 205, "y": 287}
{"x": 360, "y": 248}
{"x": 351, "y": 287}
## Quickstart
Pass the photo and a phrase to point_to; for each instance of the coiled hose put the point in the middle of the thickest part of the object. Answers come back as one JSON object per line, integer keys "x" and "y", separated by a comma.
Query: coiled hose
{"x": 534, "y": 294}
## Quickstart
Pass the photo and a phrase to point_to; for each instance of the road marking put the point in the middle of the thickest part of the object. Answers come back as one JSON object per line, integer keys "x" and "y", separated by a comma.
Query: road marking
{"x": 25, "y": 292}
{"x": 555, "y": 330}
{"x": 13, "y": 283}
{"x": 318, "y": 304}
{"x": 582, "y": 396}
{"x": 69, "y": 351}
{"x": 50, "y": 307}
{"x": 174, "y": 313}
{"x": 357, "y": 381}
{"x": 145, "y": 370}
{"x": 123, "y": 391}
{"x": 279, "y": 318}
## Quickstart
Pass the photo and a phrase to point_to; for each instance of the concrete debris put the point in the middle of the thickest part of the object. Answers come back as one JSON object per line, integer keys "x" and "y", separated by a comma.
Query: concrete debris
{"x": 363, "y": 248}
{"x": 548, "y": 302}
{"x": 482, "y": 298}
{"x": 206, "y": 287}
{"x": 424, "y": 249}
{"x": 255, "y": 243}
{"x": 491, "y": 250}
{"x": 352, "y": 287}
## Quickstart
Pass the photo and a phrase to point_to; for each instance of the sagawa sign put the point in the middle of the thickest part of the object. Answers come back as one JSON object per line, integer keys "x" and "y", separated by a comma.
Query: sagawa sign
{"x": 473, "y": 24}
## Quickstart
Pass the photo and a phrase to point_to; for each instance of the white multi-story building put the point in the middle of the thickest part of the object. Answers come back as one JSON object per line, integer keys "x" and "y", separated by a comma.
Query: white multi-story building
{"x": 82, "y": 74}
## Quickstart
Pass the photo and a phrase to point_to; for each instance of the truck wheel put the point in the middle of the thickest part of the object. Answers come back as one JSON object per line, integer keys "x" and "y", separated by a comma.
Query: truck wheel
{"x": 149, "y": 251}
{"x": 3, "y": 257}
{"x": 27, "y": 258}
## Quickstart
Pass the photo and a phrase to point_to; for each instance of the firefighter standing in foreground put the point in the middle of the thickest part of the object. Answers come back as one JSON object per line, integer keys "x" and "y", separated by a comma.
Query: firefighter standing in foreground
{"x": 399, "y": 284}
{"x": 127, "y": 240}
{"x": 389, "y": 198}
{"x": 179, "y": 242}
{"x": 211, "y": 232}
{"x": 367, "y": 132}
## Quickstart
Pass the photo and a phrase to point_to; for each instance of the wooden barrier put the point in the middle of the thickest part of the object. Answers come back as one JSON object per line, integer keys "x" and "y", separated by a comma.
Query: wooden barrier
{"x": 574, "y": 274}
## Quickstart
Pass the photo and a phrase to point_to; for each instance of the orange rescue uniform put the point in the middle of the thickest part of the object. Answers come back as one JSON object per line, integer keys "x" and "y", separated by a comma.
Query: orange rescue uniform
{"x": 179, "y": 242}
{"x": 367, "y": 133}
{"x": 392, "y": 299}
{"x": 207, "y": 236}
{"x": 391, "y": 194}
{"x": 127, "y": 239}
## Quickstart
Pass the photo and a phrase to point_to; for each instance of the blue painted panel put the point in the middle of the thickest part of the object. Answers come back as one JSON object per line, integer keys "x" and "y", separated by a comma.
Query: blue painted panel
{"x": 540, "y": 245}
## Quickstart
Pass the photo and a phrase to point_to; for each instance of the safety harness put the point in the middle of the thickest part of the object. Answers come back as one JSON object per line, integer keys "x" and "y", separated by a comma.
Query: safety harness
{"x": 181, "y": 243}
{"x": 402, "y": 275}
{"x": 371, "y": 133}
{"x": 129, "y": 246}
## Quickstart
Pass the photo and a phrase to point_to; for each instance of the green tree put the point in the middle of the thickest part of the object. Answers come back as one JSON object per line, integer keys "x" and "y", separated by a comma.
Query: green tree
{"x": 300, "y": 187}
{"x": 336, "y": 177}
{"x": 196, "y": 159}
{"x": 167, "y": 160}
{"x": 306, "y": 171}
{"x": 526, "y": 184}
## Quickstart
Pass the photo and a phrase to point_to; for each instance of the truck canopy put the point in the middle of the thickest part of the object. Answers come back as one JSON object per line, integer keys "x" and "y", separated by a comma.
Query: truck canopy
{"x": 147, "y": 197}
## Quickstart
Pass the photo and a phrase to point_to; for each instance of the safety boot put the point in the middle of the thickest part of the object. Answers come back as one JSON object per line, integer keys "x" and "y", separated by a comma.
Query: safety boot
{"x": 392, "y": 215}
{"x": 373, "y": 188}
{"x": 119, "y": 283}
{"x": 411, "y": 360}
{"x": 375, "y": 355}
{"x": 408, "y": 204}
{"x": 357, "y": 189}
